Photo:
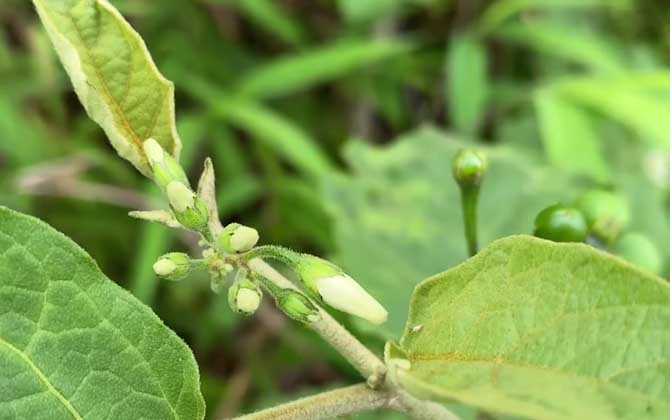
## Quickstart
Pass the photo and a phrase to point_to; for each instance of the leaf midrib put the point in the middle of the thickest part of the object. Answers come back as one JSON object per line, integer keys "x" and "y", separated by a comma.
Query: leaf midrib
{"x": 43, "y": 378}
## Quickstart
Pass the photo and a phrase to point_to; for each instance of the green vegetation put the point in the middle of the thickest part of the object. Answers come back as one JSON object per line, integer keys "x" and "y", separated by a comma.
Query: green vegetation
{"x": 339, "y": 128}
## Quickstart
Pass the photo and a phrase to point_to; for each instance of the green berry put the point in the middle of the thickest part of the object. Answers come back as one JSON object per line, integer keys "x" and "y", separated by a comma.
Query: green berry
{"x": 640, "y": 251}
{"x": 561, "y": 223}
{"x": 607, "y": 214}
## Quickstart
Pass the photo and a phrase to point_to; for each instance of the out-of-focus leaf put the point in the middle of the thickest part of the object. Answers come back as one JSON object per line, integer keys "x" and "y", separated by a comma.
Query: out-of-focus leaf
{"x": 361, "y": 11}
{"x": 635, "y": 106}
{"x": 567, "y": 43}
{"x": 269, "y": 16}
{"x": 276, "y": 132}
{"x": 74, "y": 345}
{"x": 298, "y": 72}
{"x": 398, "y": 218}
{"x": 502, "y": 10}
{"x": 113, "y": 74}
{"x": 467, "y": 82}
{"x": 542, "y": 330}
{"x": 569, "y": 135}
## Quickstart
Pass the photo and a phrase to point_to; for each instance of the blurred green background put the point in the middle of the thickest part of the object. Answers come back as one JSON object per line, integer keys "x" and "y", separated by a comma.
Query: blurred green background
{"x": 332, "y": 125}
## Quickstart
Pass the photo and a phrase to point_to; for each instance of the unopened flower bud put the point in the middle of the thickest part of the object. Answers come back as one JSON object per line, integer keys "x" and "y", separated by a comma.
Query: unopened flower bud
{"x": 237, "y": 238}
{"x": 469, "y": 167}
{"x": 244, "y": 297}
{"x": 164, "y": 166}
{"x": 337, "y": 289}
{"x": 188, "y": 208}
{"x": 173, "y": 266}
{"x": 297, "y": 306}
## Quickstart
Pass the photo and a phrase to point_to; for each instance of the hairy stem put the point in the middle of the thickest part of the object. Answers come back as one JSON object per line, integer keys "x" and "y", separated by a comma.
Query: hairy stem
{"x": 328, "y": 405}
{"x": 360, "y": 357}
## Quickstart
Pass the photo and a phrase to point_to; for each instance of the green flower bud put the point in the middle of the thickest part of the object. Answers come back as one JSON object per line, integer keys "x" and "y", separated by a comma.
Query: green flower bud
{"x": 297, "y": 306}
{"x": 164, "y": 166}
{"x": 640, "y": 251}
{"x": 174, "y": 266}
{"x": 188, "y": 208}
{"x": 237, "y": 238}
{"x": 561, "y": 223}
{"x": 607, "y": 214}
{"x": 469, "y": 168}
{"x": 244, "y": 297}
{"x": 329, "y": 283}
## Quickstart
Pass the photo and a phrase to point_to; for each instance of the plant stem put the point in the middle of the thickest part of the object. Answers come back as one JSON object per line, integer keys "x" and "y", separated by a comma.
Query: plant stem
{"x": 332, "y": 404}
{"x": 360, "y": 357}
{"x": 469, "y": 200}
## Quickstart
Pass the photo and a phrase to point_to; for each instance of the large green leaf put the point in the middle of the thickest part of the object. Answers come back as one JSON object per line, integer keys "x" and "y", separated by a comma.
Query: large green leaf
{"x": 113, "y": 75}
{"x": 398, "y": 217}
{"x": 73, "y": 344}
{"x": 545, "y": 331}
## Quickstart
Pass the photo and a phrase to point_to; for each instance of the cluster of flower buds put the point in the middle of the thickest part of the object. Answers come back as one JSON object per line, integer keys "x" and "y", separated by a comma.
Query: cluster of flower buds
{"x": 233, "y": 245}
{"x": 189, "y": 209}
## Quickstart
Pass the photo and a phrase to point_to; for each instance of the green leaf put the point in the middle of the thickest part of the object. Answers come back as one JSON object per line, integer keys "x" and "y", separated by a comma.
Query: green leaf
{"x": 467, "y": 82}
{"x": 569, "y": 134}
{"x": 544, "y": 331}
{"x": 113, "y": 75}
{"x": 502, "y": 10}
{"x": 636, "y": 102}
{"x": 268, "y": 15}
{"x": 566, "y": 42}
{"x": 397, "y": 218}
{"x": 285, "y": 137}
{"x": 73, "y": 344}
{"x": 297, "y": 72}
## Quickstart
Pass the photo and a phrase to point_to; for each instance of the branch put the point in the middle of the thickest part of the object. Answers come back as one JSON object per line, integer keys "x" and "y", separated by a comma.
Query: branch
{"x": 328, "y": 405}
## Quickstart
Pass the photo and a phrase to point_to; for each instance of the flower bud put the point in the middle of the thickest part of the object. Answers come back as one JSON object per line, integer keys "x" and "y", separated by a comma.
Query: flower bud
{"x": 237, "y": 238}
{"x": 469, "y": 167}
{"x": 561, "y": 223}
{"x": 607, "y": 214}
{"x": 189, "y": 209}
{"x": 337, "y": 289}
{"x": 640, "y": 251}
{"x": 164, "y": 166}
{"x": 244, "y": 297}
{"x": 173, "y": 266}
{"x": 297, "y": 306}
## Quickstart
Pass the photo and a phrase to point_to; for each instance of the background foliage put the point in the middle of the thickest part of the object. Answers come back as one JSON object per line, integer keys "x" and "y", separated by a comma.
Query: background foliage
{"x": 566, "y": 95}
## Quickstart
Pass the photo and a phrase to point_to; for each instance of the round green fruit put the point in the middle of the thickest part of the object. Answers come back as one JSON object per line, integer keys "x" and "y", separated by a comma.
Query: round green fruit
{"x": 607, "y": 214}
{"x": 640, "y": 251}
{"x": 561, "y": 223}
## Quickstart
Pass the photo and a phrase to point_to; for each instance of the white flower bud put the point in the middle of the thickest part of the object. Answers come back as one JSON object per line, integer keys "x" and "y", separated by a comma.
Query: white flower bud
{"x": 237, "y": 238}
{"x": 164, "y": 166}
{"x": 180, "y": 196}
{"x": 244, "y": 297}
{"x": 189, "y": 209}
{"x": 345, "y": 294}
{"x": 173, "y": 266}
{"x": 337, "y": 289}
